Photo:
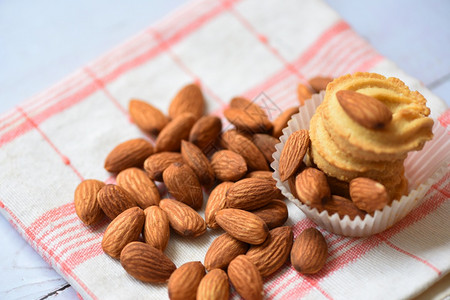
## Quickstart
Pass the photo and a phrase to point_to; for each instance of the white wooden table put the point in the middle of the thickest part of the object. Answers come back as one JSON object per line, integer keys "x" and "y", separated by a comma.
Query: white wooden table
{"x": 43, "y": 41}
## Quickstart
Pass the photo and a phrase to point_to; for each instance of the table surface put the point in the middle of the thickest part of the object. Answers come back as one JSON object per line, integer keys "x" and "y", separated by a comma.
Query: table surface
{"x": 44, "y": 41}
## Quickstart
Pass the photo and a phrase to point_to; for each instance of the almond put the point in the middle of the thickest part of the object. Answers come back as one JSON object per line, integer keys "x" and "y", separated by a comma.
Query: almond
{"x": 234, "y": 141}
{"x": 169, "y": 139}
{"x": 242, "y": 225}
{"x": 147, "y": 117}
{"x": 365, "y": 110}
{"x": 146, "y": 263}
{"x": 158, "y": 162}
{"x": 184, "y": 281}
{"x": 137, "y": 183}
{"x": 273, "y": 214}
{"x": 243, "y": 103}
{"x": 198, "y": 162}
{"x": 182, "y": 218}
{"x": 216, "y": 202}
{"x": 319, "y": 83}
{"x": 274, "y": 252}
{"x": 248, "y": 120}
{"x": 343, "y": 207}
{"x": 222, "y": 251}
{"x": 312, "y": 187}
{"x": 303, "y": 93}
{"x": 281, "y": 121}
{"x": 124, "y": 229}
{"x": 267, "y": 175}
{"x": 266, "y": 144}
{"x": 293, "y": 153}
{"x": 228, "y": 165}
{"x": 309, "y": 251}
{"x": 131, "y": 153}
{"x": 252, "y": 116}
{"x": 182, "y": 183}
{"x": 205, "y": 132}
{"x": 86, "y": 204}
{"x": 368, "y": 195}
{"x": 114, "y": 200}
{"x": 188, "y": 99}
{"x": 156, "y": 228}
{"x": 246, "y": 278}
{"x": 251, "y": 193}
{"x": 214, "y": 286}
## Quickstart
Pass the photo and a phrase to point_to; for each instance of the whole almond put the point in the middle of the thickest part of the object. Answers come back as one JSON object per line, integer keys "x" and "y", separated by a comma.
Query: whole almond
{"x": 303, "y": 93}
{"x": 253, "y": 114}
{"x": 343, "y": 207}
{"x": 246, "y": 278}
{"x": 216, "y": 201}
{"x": 169, "y": 139}
{"x": 131, "y": 153}
{"x": 86, "y": 204}
{"x": 158, "y": 162}
{"x": 156, "y": 228}
{"x": 183, "y": 184}
{"x": 137, "y": 183}
{"x": 228, "y": 165}
{"x": 222, "y": 251}
{"x": 273, "y": 214}
{"x": 147, "y": 117}
{"x": 146, "y": 263}
{"x": 281, "y": 121}
{"x": 205, "y": 132}
{"x": 293, "y": 153}
{"x": 251, "y": 193}
{"x": 248, "y": 120}
{"x": 274, "y": 252}
{"x": 124, "y": 229}
{"x": 312, "y": 187}
{"x": 198, "y": 162}
{"x": 243, "y": 103}
{"x": 184, "y": 281}
{"x": 266, "y": 144}
{"x": 188, "y": 99}
{"x": 182, "y": 218}
{"x": 268, "y": 176}
{"x": 309, "y": 251}
{"x": 368, "y": 195}
{"x": 242, "y": 225}
{"x": 319, "y": 83}
{"x": 214, "y": 286}
{"x": 365, "y": 110}
{"x": 114, "y": 200}
{"x": 234, "y": 141}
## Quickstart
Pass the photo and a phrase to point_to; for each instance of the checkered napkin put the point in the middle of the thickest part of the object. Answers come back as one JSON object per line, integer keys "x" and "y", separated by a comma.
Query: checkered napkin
{"x": 250, "y": 48}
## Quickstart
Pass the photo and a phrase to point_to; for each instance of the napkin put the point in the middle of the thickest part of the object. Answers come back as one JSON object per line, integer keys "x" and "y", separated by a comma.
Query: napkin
{"x": 260, "y": 50}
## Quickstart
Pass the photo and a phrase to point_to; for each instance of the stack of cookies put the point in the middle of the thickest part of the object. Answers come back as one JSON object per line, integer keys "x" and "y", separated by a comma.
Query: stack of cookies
{"x": 365, "y": 127}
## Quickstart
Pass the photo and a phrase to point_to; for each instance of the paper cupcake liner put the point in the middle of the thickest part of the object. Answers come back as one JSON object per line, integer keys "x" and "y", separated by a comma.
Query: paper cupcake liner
{"x": 422, "y": 169}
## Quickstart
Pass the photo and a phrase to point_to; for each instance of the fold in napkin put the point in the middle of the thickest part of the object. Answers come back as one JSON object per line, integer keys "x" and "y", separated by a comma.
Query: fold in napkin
{"x": 250, "y": 48}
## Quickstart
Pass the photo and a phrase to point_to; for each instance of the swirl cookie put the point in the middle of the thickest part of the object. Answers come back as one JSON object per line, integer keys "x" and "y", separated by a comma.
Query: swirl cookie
{"x": 408, "y": 130}
{"x": 365, "y": 127}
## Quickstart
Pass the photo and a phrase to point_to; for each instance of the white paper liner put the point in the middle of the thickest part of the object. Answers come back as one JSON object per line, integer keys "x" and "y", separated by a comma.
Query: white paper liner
{"x": 422, "y": 169}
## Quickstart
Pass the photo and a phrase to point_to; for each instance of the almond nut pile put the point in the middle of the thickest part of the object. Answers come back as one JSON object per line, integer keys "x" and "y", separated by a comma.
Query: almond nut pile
{"x": 191, "y": 153}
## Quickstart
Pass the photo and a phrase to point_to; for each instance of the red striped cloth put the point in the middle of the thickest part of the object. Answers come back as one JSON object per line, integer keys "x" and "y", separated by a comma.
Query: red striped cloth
{"x": 62, "y": 135}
